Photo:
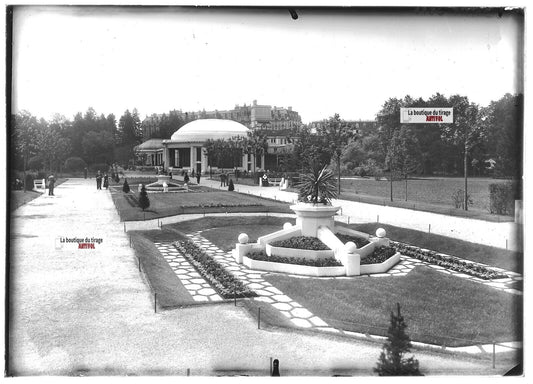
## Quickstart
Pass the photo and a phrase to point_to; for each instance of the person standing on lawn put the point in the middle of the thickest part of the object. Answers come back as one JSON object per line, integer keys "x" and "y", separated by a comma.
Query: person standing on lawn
{"x": 99, "y": 180}
{"x": 51, "y": 184}
{"x": 198, "y": 175}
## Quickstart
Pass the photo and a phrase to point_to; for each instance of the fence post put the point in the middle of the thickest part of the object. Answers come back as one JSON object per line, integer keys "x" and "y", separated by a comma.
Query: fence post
{"x": 235, "y": 294}
{"x": 155, "y": 302}
{"x": 429, "y": 228}
{"x": 493, "y": 354}
{"x": 124, "y": 227}
{"x": 188, "y": 371}
{"x": 378, "y": 219}
{"x": 506, "y": 244}
{"x": 258, "y": 318}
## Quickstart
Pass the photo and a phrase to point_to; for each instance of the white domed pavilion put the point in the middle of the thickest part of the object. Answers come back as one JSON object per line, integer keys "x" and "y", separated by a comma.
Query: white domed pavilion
{"x": 185, "y": 149}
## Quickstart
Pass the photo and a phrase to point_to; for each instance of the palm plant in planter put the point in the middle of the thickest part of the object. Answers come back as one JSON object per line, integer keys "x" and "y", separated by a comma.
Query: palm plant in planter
{"x": 318, "y": 186}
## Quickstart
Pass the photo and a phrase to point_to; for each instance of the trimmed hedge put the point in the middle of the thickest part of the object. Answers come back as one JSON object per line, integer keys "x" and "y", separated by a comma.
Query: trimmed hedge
{"x": 502, "y": 197}
{"x": 262, "y": 256}
{"x": 222, "y": 281}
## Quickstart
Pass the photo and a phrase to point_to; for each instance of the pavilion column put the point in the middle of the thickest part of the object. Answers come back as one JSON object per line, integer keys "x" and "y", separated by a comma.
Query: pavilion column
{"x": 166, "y": 157}
{"x": 193, "y": 157}
{"x": 204, "y": 161}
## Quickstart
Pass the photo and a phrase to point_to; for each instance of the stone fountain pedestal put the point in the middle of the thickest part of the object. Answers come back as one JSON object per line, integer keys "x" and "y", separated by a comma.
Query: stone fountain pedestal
{"x": 310, "y": 217}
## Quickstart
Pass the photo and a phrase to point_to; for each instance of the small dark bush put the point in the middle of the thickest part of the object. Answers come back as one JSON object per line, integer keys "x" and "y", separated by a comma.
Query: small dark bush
{"x": 144, "y": 201}
{"x": 458, "y": 198}
{"x": 28, "y": 182}
{"x": 231, "y": 187}
{"x": 502, "y": 197}
{"x": 73, "y": 164}
{"x": 126, "y": 187}
{"x": 302, "y": 242}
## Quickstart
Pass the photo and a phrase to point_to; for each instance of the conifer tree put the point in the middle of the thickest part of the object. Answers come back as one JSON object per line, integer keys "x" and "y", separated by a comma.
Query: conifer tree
{"x": 144, "y": 201}
{"x": 126, "y": 186}
{"x": 231, "y": 187}
{"x": 392, "y": 361}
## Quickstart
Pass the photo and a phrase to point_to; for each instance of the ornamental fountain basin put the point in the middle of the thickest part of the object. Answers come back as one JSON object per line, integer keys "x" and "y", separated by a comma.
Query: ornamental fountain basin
{"x": 316, "y": 221}
{"x": 164, "y": 184}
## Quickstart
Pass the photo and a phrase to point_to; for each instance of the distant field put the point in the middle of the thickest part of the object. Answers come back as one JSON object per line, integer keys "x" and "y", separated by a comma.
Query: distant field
{"x": 436, "y": 191}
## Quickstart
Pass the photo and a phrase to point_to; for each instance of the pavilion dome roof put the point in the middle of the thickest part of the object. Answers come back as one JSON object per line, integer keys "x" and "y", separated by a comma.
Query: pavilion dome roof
{"x": 203, "y": 129}
{"x": 150, "y": 145}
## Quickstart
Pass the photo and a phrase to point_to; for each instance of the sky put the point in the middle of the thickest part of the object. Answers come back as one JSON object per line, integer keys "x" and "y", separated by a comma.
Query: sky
{"x": 67, "y": 59}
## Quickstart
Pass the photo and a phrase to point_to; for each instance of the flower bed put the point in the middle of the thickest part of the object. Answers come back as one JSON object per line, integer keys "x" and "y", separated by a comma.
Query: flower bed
{"x": 449, "y": 262}
{"x": 262, "y": 256}
{"x": 360, "y": 242}
{"x": 302, "y": 242}
{"x": 222, "y": 281}
{"x": 379, "y": 255}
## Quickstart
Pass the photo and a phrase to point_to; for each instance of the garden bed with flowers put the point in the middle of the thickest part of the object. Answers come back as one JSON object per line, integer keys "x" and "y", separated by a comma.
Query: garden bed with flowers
{"x": 358, "y": 241}
{"x": 448, "y": 262}
{"x": 301, "y": 242}
{"x": 262, "y": 256}
{"x": 379, "y": 255}
{"x": 222, "y": 281}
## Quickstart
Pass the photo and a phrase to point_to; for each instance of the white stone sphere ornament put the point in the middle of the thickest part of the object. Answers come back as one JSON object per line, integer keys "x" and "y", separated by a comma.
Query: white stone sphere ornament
{"x": 380, "y": 232}
{"x": 350, "y": 247}
{"x": 243, "y": 238}
{"x": 287, "y": 226}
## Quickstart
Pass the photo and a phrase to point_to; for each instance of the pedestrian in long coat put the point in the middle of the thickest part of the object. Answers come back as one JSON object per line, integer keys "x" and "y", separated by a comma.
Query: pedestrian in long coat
{"x": 98, "y": 180}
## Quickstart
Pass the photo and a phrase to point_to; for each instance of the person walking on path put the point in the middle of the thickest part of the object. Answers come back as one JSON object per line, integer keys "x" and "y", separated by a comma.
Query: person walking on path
{"x": 198, "y": 175}
{"x": 98, "y": 180}
{"x": 186, "y": 178}
{"x": 51, "y": 184}
{"x": 223, "y": 179}
{"x": 106, "y": 181}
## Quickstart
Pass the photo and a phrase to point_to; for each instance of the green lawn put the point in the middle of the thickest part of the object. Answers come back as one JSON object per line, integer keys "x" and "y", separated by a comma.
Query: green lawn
{"x": 510, "y": 260}
{"x": 19, "y": 198}
{"x": 205, "y": 201}
{"x": 438, "y": 309}
{"x": 434, "y": 191}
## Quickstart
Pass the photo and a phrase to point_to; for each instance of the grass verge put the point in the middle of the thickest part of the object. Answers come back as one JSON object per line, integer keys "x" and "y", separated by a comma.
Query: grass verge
{"x": 170, "y": 291}
{"x": 439, "y": 309}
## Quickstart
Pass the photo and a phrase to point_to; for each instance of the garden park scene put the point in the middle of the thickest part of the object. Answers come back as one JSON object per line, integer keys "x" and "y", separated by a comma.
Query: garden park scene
{"x": 247, "y": 242}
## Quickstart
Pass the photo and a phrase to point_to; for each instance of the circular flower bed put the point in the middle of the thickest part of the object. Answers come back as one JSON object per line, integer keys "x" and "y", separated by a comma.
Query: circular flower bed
{"x": 262, "y": 256}
{"x": 360, "y": 242}
{"x": 302, "y": 242}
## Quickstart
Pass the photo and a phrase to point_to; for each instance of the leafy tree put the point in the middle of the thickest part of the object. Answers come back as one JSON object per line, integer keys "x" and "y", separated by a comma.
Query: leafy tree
{"x": 504, "y": 128}
{"x": 310, "y": 151}
{"x": 144, "y": 201}
{"x": 23, "y": 139}
{"x": 465, "y": 132}
{"x": 255, "y": 144}
{"x": 392, "y": 361}
{"x": 404, "y": 155}
{"x": 337, "y": 135}
{"x": 318, "y": 186}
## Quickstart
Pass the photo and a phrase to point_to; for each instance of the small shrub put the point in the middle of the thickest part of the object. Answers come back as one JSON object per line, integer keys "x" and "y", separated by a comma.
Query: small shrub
{"x": 28, "y": 182}
{"x": 126, "y": 187}
{"x": 231, "y": 187}
{"x": 302, "y": 242}
{"x": 144, "y": 201}
{"x": 392, "y": 361}
{"x": 458, "y": 198}
{"x": 502, "y": 198}
{"x": 73, "y": 164}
